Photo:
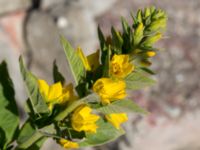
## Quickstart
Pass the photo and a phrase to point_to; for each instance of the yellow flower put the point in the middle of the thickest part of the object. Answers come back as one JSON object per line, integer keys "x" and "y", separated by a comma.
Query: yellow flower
{"x": 90, "y": 62}
{"x": 93, "y": 60}
{"x": 116, "y": 119}
{"x": 68, "y": 144}
{"x": 83, "y": 120}
{"x": 120, "y": 66}
{"x": 109, "y": 90}
{"x": 55, "y": 94}
{"x": 68, "y": 94}
{"x": 151, "y": 53}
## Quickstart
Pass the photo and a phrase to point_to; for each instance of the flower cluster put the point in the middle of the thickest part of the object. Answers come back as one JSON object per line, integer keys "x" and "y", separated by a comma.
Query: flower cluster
{"x": 91, "y": 109}
{"x": 106, "y": 74}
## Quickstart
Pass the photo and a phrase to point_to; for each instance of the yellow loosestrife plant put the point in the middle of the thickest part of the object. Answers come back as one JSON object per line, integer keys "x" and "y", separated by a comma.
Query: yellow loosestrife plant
{"x": 95, "y": 104}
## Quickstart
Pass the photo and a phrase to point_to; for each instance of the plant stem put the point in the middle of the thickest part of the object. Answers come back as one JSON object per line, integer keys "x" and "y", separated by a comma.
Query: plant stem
{"x": 36, "y": 136}
{"x": 66, "y": 112}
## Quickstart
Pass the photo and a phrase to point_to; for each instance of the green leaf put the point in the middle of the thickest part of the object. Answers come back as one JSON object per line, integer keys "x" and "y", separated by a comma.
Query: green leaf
{"x": 27, "y": 131}
{"x": 138, "y": 80}
{"x": 37, "y": 145}
{"x": 57, "y": 76}
{"x": 30, "y": 135}
{"x": 105, "y": 133}
{"x": 106, "y": 65}
{"x": 103, "y": 45}
{"x": 117, "y": 39}
{"x": 122, "y": 106}
{"x": 2, "y": 138}
{"x": 29, "y": 109}
{"x": 101, "y": 39}
{"x": 9, "y": 119}
{"x": 125, "y": 25}
{"x": 75, "y": 62}
{"x": 139, "y": 16}
{"x": 31, "y": 83}
{"x": 149, "y": 71}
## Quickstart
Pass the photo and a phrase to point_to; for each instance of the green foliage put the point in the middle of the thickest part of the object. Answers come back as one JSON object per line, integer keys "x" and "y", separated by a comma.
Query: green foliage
{"x": 57, "y": 76}
{"x": 38, "y": 104}
{"x": 134, "y": 46}
{"x": 9, "y": 123}
{"x": 138, "y": 80}
{"x": 31, "y": 137}
{"x": 116, "y": 40}
{"x": 27, "y": 132}
{"x": 37, "y": 145}
{"x": 122, "y": 106}
{"x": 2, "y": 138}
{"x": 74, "y": 61}
{"x": 105, "y": 133}
{"x": 139, "y": 38}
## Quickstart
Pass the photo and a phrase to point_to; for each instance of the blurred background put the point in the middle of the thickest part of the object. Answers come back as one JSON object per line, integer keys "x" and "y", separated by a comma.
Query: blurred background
{"x": 32, "y": 27}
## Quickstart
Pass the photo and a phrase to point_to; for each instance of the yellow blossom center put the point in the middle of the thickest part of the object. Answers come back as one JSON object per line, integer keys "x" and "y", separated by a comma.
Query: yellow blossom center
{"x": 120, "y": 66}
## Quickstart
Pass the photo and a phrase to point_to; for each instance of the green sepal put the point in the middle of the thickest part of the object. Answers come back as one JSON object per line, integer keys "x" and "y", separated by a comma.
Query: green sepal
{"x": 57, "y": 76}
{"x": 106, "y": 66}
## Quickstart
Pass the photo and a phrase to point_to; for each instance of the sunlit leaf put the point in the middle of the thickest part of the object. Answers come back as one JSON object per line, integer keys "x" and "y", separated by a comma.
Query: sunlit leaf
{"x": 76, "y": 66}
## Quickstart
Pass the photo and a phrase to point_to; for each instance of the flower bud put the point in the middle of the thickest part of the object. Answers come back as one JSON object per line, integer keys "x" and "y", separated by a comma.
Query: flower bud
{"x": 138, "y": 34}
{"x": 157, "y": 25}
{"x": 152, "y": 39}
{"x": 147, "y": 12}
{"x": 151, "y": 53}
{"x": 139, "y": 16}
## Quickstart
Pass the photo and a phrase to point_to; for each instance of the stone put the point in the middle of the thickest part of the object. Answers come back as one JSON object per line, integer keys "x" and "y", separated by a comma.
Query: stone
{"x": 7, "y": 6}
{"x": 10, "y": 54}
{"x": 46, "y": 4}
{"x": 97, "y": 7}
{"x": 78, "y": 27}
{"x": 44, "y": 46}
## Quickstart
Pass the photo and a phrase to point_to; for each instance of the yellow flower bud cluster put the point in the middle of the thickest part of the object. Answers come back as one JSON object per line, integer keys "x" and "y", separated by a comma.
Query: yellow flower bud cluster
{"x": 114, "y": 88}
